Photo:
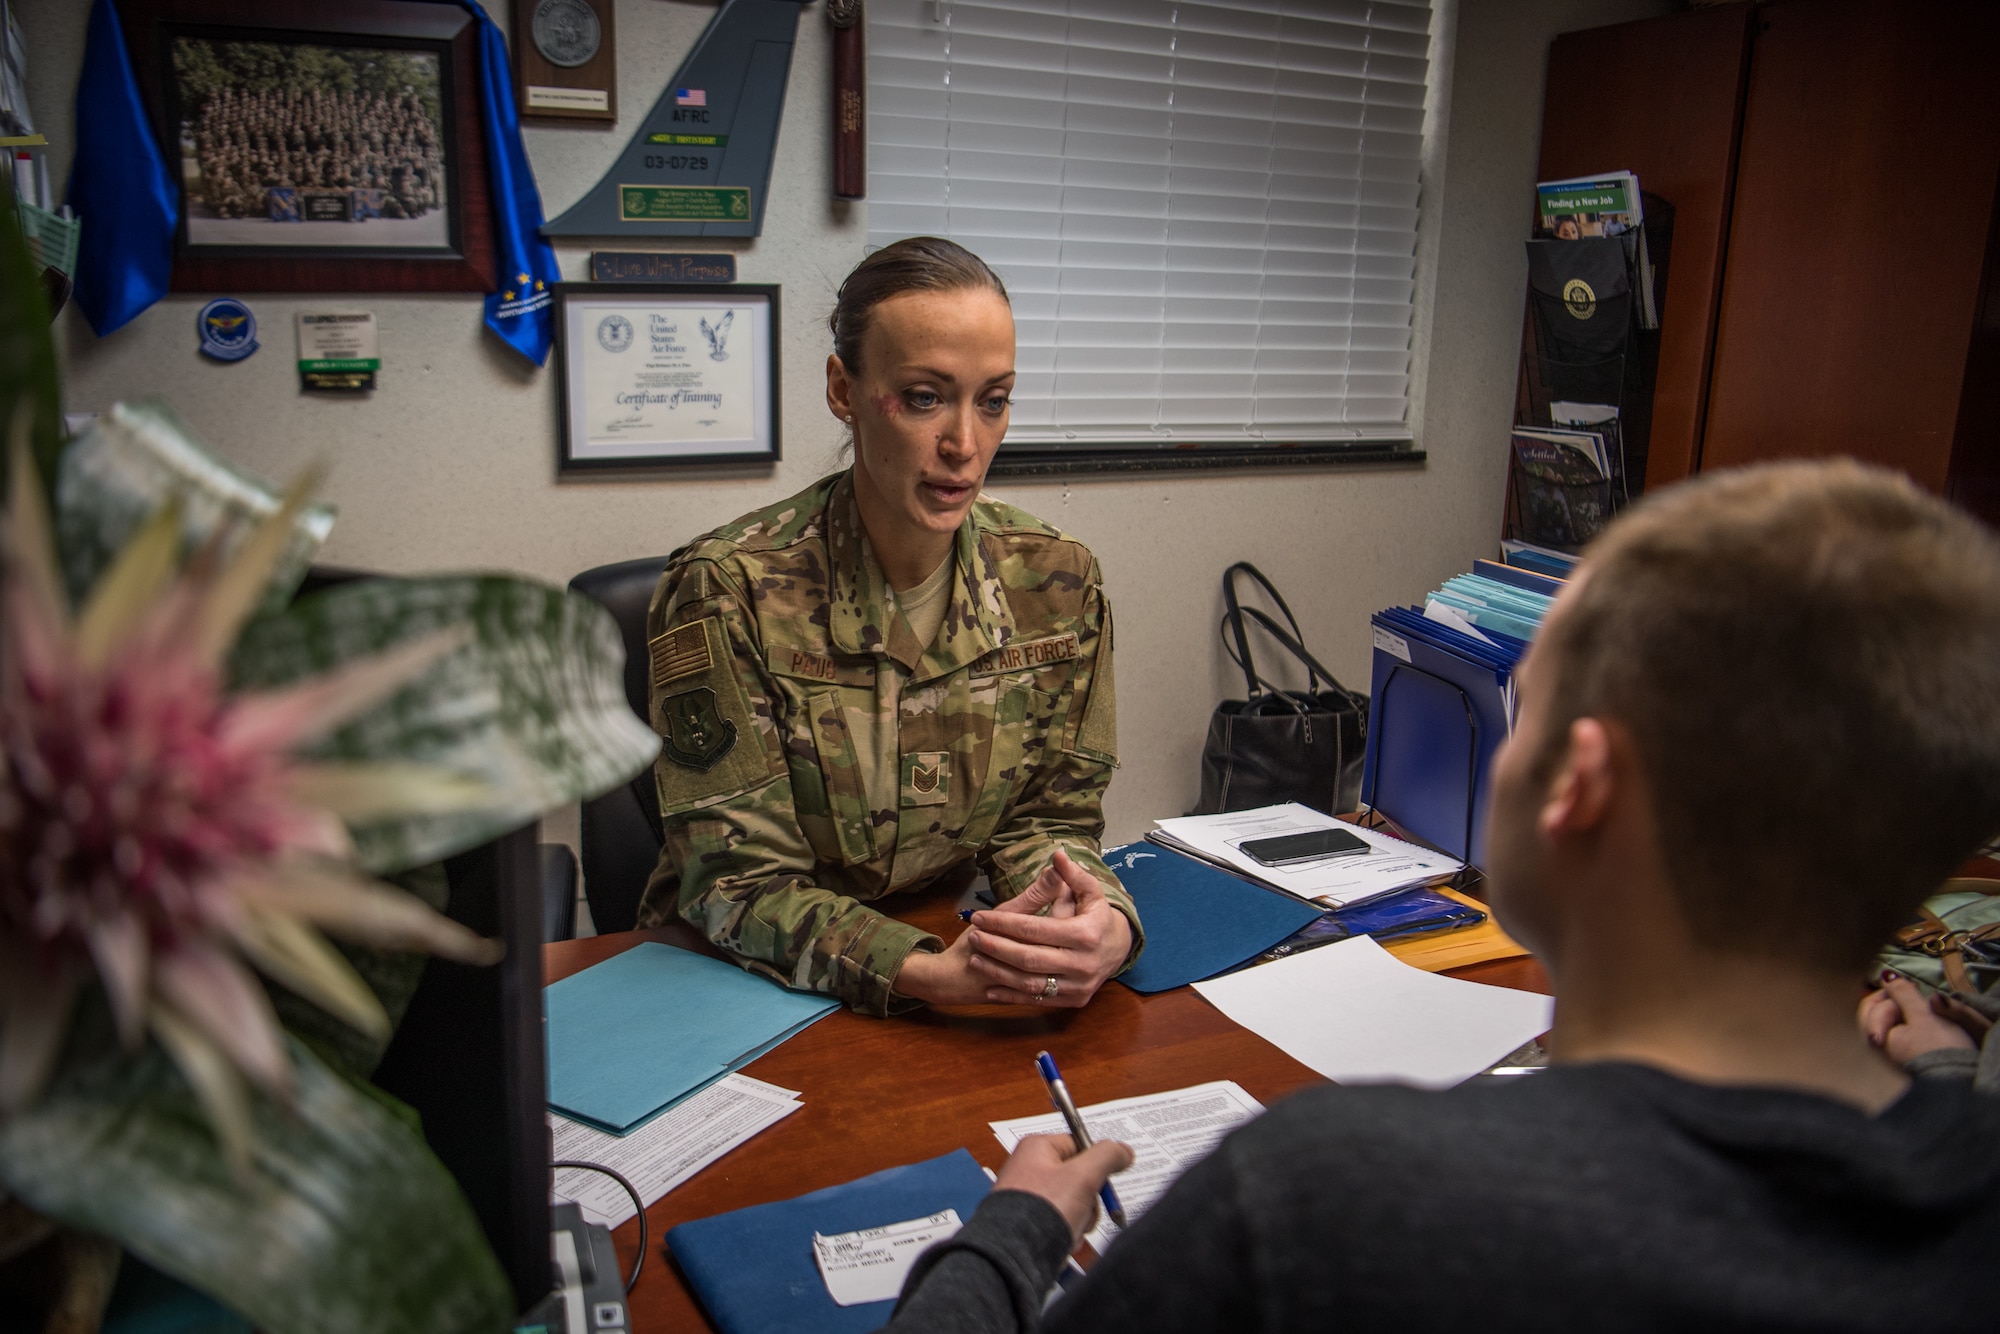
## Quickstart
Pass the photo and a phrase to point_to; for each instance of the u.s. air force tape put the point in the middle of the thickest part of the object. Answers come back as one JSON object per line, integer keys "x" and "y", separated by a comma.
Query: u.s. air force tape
{"x": 679, "y": 653}
{"x": 1027, "y": 657}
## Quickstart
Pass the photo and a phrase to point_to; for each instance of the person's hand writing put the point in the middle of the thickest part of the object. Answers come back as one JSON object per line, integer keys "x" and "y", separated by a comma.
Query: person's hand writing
{"x": 1050, "y": 1166}
{"x": 1080, "y": 943}
{"x": 1902, "y": 1023}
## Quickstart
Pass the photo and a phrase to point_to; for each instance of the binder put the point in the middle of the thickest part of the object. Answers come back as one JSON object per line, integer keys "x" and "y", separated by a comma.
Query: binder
{"x": 1200, "y": 920}
{"x": 753, "y": 1269}
{"x": 1440, "y": 704}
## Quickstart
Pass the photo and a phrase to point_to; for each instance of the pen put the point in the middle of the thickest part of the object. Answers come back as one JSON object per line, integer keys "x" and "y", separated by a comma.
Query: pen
{"x": 965, "y": 914}
{"x": 1059, "y": 1095}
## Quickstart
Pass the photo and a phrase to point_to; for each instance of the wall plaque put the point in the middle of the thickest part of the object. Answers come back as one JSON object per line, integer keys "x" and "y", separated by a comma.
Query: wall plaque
{"x": 700, "y": 163}
{"x": 565, "y": 62}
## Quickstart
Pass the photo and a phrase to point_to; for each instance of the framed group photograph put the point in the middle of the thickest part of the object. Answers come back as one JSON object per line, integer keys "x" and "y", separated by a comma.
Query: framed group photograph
{"x": 319, "y": 147}
{"x": 653, "y": 374}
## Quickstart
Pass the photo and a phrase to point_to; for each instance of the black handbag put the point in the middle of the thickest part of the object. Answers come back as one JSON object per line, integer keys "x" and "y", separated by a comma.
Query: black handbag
{"x": 1280, "y": 745}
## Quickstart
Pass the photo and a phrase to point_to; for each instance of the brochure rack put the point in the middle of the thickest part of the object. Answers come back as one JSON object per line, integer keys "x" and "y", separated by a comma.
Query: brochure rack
{"x": 1588, "y": 362}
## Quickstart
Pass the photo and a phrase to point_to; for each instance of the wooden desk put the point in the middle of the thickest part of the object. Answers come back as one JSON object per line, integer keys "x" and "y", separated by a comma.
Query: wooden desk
{"x": 881, "y": 1092}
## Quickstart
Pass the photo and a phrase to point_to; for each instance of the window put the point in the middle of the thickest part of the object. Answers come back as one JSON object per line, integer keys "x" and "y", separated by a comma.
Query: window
{"x": 1205, "y": 213}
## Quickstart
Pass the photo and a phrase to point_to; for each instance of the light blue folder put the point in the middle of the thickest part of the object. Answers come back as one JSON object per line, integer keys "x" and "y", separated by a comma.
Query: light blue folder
{"x": 631, "y": 1036}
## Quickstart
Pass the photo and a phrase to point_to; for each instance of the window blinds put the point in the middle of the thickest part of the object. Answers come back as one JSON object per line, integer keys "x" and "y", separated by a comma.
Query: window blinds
{"x": 1205, "y": 213}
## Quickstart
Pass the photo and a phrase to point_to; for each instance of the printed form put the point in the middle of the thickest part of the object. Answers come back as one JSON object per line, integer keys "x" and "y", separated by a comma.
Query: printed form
{"x": 1168, "y": 1132}
{"x": 668, "y": 1149}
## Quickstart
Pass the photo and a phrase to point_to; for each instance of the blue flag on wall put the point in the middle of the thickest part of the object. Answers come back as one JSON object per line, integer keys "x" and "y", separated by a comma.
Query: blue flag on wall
{"x": 519, "y": 312}
{"x": 121, "y": 188}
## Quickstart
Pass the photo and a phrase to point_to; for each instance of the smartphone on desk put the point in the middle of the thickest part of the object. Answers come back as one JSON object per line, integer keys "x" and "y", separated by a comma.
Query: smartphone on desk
{"x": 1311, "y": 846}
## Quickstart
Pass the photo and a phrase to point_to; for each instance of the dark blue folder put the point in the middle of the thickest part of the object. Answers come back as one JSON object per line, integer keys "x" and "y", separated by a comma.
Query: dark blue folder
{"x": 1200, "y": 920}
{"x": 754, "y": 1271}
{"x": 1437, "y": 712}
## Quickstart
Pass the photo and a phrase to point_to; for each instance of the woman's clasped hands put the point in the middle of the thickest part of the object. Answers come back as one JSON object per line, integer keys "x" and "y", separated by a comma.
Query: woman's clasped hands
{"x": 1017, "y": 954}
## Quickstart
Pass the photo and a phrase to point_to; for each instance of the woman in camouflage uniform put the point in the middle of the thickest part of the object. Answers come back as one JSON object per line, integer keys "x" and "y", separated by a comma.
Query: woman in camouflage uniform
{"x": 886, "y": 677}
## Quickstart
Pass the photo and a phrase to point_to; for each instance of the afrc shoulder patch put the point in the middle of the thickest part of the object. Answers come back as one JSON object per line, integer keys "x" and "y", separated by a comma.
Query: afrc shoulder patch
{"x": 697, "y": 734}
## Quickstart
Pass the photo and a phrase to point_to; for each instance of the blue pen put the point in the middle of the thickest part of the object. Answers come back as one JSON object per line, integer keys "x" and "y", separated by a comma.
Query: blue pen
{"x": 965, "y": 914}
{"x": 1059, "y": 1095}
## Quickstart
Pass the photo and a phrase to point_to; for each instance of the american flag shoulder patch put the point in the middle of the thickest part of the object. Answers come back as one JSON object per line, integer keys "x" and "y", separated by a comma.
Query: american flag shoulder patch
{"x": 681, "y": 652}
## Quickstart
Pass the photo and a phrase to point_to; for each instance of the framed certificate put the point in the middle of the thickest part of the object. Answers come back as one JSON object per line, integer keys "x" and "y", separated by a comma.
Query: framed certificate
{"x": 662, "y": 373}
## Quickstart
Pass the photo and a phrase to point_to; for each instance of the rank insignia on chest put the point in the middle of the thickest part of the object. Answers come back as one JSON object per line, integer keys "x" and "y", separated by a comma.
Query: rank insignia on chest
{"x": 697, "y": 735}
{"x": 927, "y": 778}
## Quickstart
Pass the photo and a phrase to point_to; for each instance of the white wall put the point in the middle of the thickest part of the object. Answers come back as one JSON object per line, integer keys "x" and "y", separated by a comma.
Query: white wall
{"x": 451, "y": 463}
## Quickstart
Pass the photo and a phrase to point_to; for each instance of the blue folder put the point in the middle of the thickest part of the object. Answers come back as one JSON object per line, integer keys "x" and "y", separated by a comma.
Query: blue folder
{"x": 1200, "y": 920}
{"x": 1437, "y": 712}
{"x": 754, "y": 1271}
{"x": 633, "y": 1035}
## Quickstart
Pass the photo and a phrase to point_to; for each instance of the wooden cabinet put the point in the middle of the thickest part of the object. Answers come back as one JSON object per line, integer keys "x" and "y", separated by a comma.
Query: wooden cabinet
{"x": 1833, "y": 166}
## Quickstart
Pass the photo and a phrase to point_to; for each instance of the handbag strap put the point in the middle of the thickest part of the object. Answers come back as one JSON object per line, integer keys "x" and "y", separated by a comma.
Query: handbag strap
{"x": 1316, "y": 673}
{"x": 1232, "y": 623}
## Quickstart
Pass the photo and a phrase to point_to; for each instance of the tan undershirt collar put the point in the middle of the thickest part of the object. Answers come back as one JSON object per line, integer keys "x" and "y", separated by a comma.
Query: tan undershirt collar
{"x": 924, "y": 606}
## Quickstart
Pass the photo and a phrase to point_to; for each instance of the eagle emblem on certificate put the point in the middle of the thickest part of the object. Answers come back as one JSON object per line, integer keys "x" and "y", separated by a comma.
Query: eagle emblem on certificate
{"x": 717, "y": 335}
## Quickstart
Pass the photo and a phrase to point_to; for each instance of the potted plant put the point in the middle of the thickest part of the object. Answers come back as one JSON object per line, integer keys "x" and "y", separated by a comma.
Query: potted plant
{"x": 202, "y": 779}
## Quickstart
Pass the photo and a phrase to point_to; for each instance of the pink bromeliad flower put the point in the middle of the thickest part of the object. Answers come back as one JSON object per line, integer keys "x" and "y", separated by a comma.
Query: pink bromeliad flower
{"x": 163, "y": 834}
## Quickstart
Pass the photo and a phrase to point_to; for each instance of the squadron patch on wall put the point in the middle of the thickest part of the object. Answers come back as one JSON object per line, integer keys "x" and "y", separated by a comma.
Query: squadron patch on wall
{"x": 697, "y": 734}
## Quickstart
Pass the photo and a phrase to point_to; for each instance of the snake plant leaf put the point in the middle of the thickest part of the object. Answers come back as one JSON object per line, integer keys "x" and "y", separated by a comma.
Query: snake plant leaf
{"x": 27, "y": 349}
{"x": 139, "y": 456}
{"x": 533, "y": 708}
{"x": 343, "y": 1221}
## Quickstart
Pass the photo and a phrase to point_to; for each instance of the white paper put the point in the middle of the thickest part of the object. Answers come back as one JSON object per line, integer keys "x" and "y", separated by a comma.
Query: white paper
{"x": 1358, "y": 1015}
{"x": 666, "y": 1150}
{"x": 1336, "y": 881}
{"x": 1168, "y": 1132}
{"x": 1445, "y": 614}
{"x": 870, "y": 1265}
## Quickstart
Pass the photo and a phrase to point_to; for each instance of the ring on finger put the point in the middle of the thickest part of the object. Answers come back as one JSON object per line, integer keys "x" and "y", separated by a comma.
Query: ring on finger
{"x": 1049, "y": 988}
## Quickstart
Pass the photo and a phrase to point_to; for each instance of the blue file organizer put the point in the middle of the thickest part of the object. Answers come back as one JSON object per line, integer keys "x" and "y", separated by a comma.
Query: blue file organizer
{"x": 1439, "y": 707}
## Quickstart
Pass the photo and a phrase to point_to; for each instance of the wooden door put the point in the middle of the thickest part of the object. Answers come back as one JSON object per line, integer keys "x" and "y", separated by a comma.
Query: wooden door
{"x": 1864, "y": 201}
{"x": 1663, "y": 98}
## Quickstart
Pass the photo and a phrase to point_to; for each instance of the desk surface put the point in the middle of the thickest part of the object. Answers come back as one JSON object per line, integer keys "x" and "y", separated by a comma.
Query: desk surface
{"x": 880, "y": 1092}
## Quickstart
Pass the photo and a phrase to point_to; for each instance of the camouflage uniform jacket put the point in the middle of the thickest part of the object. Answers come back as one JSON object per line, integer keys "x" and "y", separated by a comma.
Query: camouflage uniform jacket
{"x": 816, "y": 757}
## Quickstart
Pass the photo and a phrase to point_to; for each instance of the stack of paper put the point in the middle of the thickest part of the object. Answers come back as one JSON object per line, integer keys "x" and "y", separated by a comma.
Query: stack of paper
{"x": 668, "y": 1149}
{"x": 1168, "y": 1133}
{"x": 635, "y": 1034}
{"x": 1355, "y": 1014}
{"x": 1334, "y": 882}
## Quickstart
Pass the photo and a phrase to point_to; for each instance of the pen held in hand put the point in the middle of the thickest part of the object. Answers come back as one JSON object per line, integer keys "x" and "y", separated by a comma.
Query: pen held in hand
{"x": 1059, "y": 1095}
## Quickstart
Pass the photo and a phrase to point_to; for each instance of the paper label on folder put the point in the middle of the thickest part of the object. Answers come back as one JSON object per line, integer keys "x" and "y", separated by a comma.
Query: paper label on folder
{"x": 1395, "y": 645}
{"x": 870, "y": 1265}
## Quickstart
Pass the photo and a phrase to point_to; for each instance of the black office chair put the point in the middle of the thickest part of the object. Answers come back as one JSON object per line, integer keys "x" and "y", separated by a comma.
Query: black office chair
{"x": 622, "y": 833}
